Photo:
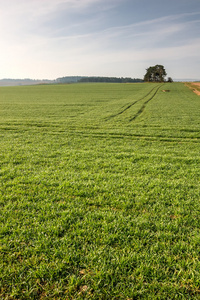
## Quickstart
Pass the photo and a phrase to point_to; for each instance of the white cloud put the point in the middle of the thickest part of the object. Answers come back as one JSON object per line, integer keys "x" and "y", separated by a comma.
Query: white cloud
{"x": 52, "y": 38}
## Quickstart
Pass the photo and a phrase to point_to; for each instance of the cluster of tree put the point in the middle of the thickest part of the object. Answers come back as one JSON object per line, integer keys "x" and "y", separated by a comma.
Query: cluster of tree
{"x": 110, "y": 79}
{"x": 68, "y": 79}
{"x": 169, "y": 79}
{"x": 156, "y": 73}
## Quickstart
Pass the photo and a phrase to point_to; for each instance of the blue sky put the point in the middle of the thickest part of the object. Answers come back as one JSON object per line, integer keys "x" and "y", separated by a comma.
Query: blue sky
{"x": 54, "y": 38}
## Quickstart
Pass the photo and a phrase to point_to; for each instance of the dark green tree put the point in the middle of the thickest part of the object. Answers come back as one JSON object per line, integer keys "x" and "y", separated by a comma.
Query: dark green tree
{"x": 155, "y": 74}
{"x": 169, "y": 79}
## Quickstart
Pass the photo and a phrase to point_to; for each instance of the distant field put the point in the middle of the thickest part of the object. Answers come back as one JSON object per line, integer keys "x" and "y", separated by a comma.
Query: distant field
{"x": 99, "y": 192}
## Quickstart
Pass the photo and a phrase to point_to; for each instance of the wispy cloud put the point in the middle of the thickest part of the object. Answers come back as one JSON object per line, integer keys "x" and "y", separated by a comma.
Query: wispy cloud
{"x": 59, "y": 37}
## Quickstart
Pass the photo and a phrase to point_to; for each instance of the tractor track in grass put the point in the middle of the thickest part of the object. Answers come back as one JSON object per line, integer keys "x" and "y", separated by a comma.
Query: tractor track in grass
{"x": 133, "y": 103}
{"x": 137, "y": 136}
{"x": 140, "y": 111}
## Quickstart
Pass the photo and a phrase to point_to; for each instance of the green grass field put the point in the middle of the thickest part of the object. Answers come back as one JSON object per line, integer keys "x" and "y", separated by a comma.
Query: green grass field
{"x": 99, "y": 192}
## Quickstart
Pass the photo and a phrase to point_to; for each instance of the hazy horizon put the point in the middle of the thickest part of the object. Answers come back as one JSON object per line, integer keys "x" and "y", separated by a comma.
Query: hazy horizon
{"x": 54, "y": 79}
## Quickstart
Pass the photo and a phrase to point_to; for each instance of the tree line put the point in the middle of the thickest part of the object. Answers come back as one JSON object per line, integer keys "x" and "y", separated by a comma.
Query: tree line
{"x": 155, "y": 73}
{"x": 110, "y": 79}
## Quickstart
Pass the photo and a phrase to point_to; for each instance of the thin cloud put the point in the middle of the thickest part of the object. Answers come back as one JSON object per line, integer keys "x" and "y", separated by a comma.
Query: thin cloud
{"x": 52, "y": 38}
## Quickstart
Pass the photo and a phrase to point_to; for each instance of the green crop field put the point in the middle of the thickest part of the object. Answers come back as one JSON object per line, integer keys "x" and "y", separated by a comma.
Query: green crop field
{"x": 99, "y": 192}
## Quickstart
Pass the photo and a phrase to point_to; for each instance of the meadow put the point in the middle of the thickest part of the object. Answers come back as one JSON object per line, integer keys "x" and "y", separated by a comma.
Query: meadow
{"x": 99, "y": 192}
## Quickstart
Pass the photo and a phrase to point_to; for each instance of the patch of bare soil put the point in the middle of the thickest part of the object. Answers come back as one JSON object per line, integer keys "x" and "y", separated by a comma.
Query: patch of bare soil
{"x": 195, "y": 87}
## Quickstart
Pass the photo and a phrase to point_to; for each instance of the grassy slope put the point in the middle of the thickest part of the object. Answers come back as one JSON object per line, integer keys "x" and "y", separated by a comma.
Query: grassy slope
{"x": 99, "y": 192}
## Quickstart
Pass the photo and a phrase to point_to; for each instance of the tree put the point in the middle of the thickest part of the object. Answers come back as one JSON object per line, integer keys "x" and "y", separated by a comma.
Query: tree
{"x": 155, "y": 74}
{"x": 169, "y": 79}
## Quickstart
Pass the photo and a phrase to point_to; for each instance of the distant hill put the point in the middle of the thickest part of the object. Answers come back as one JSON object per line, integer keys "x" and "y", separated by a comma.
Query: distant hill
{"x": 186, "y": 79}
{"x": 66, "y": 80}
{"x": 16, "y": 82}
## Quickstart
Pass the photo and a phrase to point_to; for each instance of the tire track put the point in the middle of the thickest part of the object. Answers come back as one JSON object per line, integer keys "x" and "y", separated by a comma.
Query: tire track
{"x": 130, "y": 105}
{"x": 140, "y": 111}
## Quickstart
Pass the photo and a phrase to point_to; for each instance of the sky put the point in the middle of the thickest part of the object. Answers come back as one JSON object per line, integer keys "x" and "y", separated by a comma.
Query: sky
{"x": 47, "y": 39}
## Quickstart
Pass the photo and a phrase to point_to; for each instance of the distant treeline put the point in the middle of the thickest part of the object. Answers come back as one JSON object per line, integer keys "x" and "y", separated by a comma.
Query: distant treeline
{"x": 67, "y": 79}
{"x": 73, "y": 79}
{"x": 110, "y": 79}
